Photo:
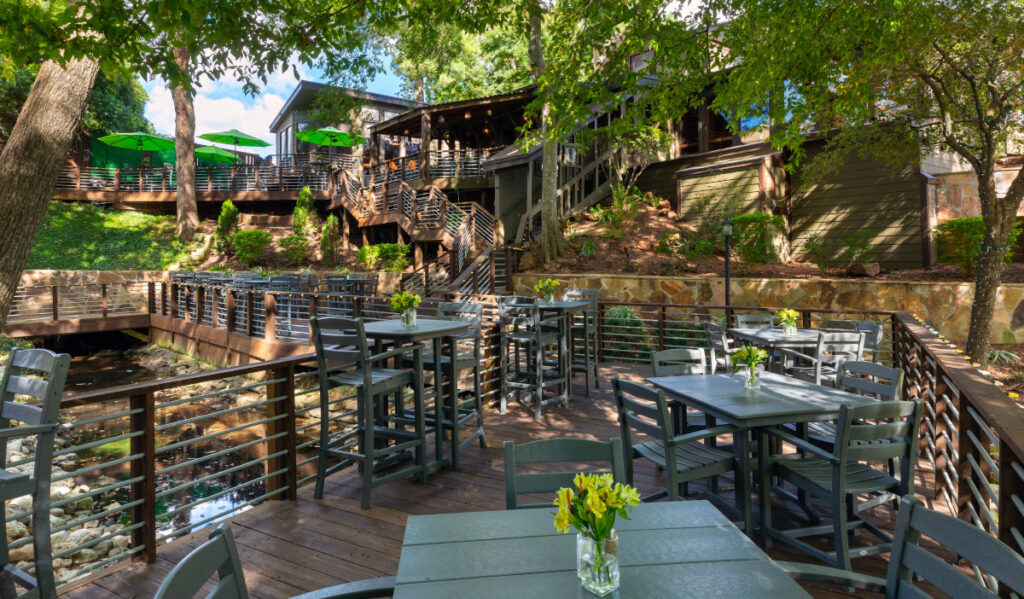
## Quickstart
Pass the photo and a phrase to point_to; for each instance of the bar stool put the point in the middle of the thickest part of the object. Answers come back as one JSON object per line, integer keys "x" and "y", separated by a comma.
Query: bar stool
{"x": 467, "y": 356}
{"x": 524, "y": 339}
{"x": 377, "y": 445}
{"x": 586, "y": 329}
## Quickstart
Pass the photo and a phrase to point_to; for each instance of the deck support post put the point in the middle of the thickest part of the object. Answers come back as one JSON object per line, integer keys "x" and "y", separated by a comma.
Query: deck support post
{"x": 144, "y": 420}
{"x": 282, "y": 391}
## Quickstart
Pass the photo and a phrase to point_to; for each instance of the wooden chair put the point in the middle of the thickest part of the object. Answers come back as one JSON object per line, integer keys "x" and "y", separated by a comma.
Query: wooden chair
{"x": 218, "y": 555}
{"x": 21, "y": 378}
{"x": 684, "y": 457}
{"x": 909, "y": 562}
{"x": 551, "y": 451}
{"x": 344, "y": 340}
{"x": 468, "y": 356}
{"x": 524, "y": 339}
{"x": 755, "y": 321}
{"x": 720, "y": 347}
{"x": 873, "y": 334}
{"x": 841, "y": 475}
{"x": 586, "y": 329}
{"x": 822, "y": 367}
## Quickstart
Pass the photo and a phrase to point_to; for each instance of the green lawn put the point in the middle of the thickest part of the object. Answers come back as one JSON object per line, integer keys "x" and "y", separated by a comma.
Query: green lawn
{"x": 80, "y": 236}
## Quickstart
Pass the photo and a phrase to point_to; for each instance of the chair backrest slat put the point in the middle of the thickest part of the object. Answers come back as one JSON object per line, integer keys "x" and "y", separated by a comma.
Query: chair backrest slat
{"x": 755, "y": 321}
{"x": 23, "y": 385}
{"x": 577, "y": 294}
{"x": 26, "y": 413}
{"x": 679, "y": 361}
{"x": 895, "y": 434}
{"x": 551, "y": 451}
{"x": 218, "y": 555}
{"x": 36, "y": 362}
{"x": 465, "y": 312}
{"x": 993, "y": 557}
{"x": 643, "y": 409}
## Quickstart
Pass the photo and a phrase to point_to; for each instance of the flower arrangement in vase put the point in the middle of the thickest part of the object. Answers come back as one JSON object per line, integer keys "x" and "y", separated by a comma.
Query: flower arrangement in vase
{"x": 787, "y": 318}
{"x": 405, "y": 303}
{"x": 546, "y": 288}
{"x": 751, "y": 359}
{"x": 590, "y": 506}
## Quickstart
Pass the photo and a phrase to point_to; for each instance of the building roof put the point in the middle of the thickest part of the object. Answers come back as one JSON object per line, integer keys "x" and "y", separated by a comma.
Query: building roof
{"x": 408, "y": 123}
{"x": 305, "y": 91}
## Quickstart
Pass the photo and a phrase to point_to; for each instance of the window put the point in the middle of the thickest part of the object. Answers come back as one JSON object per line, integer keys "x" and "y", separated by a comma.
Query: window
{"x": 388, "y": 115}
{"x": 370, "y": 115}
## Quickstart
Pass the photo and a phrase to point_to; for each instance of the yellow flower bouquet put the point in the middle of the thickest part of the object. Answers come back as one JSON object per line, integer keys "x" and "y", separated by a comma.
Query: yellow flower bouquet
{"x": 787, "y": 318}
{"x": 405, "y": 303}
{"x": 546, "y": 287}
{"x": 591, "y": 506}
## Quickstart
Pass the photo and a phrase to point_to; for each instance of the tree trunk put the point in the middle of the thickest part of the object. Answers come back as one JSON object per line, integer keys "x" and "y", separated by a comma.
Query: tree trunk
{"x": 419, "y": 93}
{"x": 551, "y": 232}
{"x": 32, "y": 160}
{"x": 999, "y": 216}
{"x": 184, "y": 152}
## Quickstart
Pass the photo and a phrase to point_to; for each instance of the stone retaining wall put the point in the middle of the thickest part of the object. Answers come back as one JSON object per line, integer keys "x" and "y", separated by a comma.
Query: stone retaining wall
{"x": 31, "y": 278}
{"x": 946, "y": 305}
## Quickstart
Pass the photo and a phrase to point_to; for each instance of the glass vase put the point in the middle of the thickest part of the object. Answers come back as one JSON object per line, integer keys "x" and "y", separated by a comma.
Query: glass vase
{"x": 409, "y": 317}
{"x": 789, "y": 328}
{"x": 752, "y": 377}
{"x": 549, "y": 297}
{"x": 597, "y": 564}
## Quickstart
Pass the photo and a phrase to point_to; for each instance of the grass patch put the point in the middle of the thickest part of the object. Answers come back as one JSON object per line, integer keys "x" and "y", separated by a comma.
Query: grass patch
{"x": 80, "y": 236}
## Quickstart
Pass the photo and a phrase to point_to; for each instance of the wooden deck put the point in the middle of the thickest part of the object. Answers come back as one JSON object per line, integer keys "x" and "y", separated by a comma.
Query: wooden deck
{"x": 290, "y": 547}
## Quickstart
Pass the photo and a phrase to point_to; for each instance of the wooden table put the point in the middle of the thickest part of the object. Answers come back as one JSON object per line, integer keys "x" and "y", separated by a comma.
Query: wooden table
{"x": 673, "y": 549}
{"x": 780, "y": 400}
{"x": 563, "y": 308}
{"x": 426, "y": 329}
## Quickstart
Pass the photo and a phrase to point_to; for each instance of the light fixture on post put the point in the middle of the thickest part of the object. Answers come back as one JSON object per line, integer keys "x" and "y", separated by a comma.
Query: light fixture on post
{"x": 727, "y": 233}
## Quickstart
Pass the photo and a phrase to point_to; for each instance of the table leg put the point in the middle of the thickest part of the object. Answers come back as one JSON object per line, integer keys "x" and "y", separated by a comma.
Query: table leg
{"x": 741, "y": 446}
{"x": 563, "y": 352}
{"x": 764, "y": 487}
{"x": 438, "y": 404}
{"x": 453, "y": 396}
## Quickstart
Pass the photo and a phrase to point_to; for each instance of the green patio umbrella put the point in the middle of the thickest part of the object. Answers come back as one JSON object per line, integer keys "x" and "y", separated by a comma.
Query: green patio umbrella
{"x": 138, "y": 141}
{"x": 235, "y": 138}
{"x": 329, "y": 136}
{"x": 215, "y": 154}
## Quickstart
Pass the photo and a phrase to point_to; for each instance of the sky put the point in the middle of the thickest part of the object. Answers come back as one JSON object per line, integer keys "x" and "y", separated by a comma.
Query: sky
{"x": 222, "y": 105}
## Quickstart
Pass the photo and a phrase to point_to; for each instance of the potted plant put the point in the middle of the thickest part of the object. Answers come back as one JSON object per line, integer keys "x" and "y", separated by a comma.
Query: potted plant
{"x": 405, "y": 303}
{"x": 750, "y": 359}
{"x": 546, "y": 288}
{"x": 590, "y": 506}
{"x": 787, "y": 318}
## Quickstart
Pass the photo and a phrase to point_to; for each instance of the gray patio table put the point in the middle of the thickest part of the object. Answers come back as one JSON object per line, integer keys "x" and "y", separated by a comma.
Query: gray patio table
{"x": 780, "y": 400}
{"x": 426, "y": 329}
{"x": 564, "y": 308}
{"x": 774, "y": 338}
{"x": 672, "y": 549}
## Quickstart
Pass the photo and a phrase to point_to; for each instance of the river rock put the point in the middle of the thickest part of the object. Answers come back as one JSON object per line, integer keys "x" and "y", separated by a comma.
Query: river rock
{"x": 22, "y": 554}
{"x": 16, "y": 530}
{"x": 83, "y": 535}
{"x": 865, "y": 270}
{"x": 23, "y": 503}
{"x": 84, "y": 556}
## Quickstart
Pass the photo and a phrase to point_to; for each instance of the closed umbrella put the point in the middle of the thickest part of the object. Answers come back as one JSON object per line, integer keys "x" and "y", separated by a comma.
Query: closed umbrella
{"x": 215, "y": 154}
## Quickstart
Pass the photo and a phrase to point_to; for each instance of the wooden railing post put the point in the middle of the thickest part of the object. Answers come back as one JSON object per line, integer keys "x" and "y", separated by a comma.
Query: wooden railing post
{"x": 200, "y": 293}
{"x": 806, "y": 315}
{"x": 144, "y": 420}
{"x": 283, "y": 390}
{"x": 55, "y": 300}
{"x": 1011, "y": 490}
{"x": 214, "y": 306}
{"x": 600, "y": 332}
{"x": 117, "y": 179}
{"x": 270, "y": 317}
{"x": 103, "y": 295}
{"x": 175, "y": 290}
{"x": 250, "y": 309}
{"x": 163, "y": 299}
{"x": 151, "y": 297}
{"x": 661, "y": 327}
{"x": 229, "y": 300}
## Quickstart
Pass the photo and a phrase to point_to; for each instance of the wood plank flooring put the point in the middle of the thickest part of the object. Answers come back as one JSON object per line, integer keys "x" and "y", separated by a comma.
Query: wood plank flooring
{"x": 290, "y": 547}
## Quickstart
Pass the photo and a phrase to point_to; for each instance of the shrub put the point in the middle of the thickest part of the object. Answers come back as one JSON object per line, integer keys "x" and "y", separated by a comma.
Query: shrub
{"x": 959, "y": 241}
{"x": 330, "y": 235}
{"x": 387, "y": 256}
{"x": 589, "y": 249}
{"x": 304, "y": 215}
{"x": 753, "y": 236}
{"x": 685, "y": 247}
{"x": 859, "y": 248}
{"x": 626, "y": 336}
{"x": 250, "y": 246}
{"x": 227, "y": 222}
{"x": 295, "y": 249}
{"x": 709, "y": 212}
{"x": 820, "y": 251}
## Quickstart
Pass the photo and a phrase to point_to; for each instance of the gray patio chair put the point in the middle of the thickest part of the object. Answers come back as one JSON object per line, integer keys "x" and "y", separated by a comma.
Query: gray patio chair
{"x": 755, "y": 321}
{"x": 909, "y": 562}
{"x": 585, "y": 328}
{"x": 371, "y": 588}
{"x": 218, "y": 555}
{"x": 468, "y": 356}
{"x": 682, "y": 361}
{"x": 873, "y": 334}
{"x": 525, "y": 338}
{"x": 821, "y": 367}
{"x": 721, "y": 347}
{"x": 20, "y": 378}
{"x": 546, "y": 451}
{"x": 683, "y": 457}
{"x": 344, "y": 340}
{"x": 874, "y": 432}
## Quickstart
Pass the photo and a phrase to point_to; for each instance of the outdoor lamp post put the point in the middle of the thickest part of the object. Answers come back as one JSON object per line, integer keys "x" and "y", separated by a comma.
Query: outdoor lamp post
{"x": 727, "y": 233}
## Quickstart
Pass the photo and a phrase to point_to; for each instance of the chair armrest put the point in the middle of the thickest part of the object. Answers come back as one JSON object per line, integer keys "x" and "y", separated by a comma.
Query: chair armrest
{"x": 25, "y": 431}
{"x": 360, "y": 589}
{"x": 704, "y": 433}
{"x": 801, "y": 443}
{"x": 398, "y": 351}
{"x": 835, "y": 576}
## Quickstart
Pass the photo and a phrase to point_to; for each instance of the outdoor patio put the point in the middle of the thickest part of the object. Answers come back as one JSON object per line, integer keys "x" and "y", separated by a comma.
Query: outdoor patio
{"x": 290, "y": 547}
